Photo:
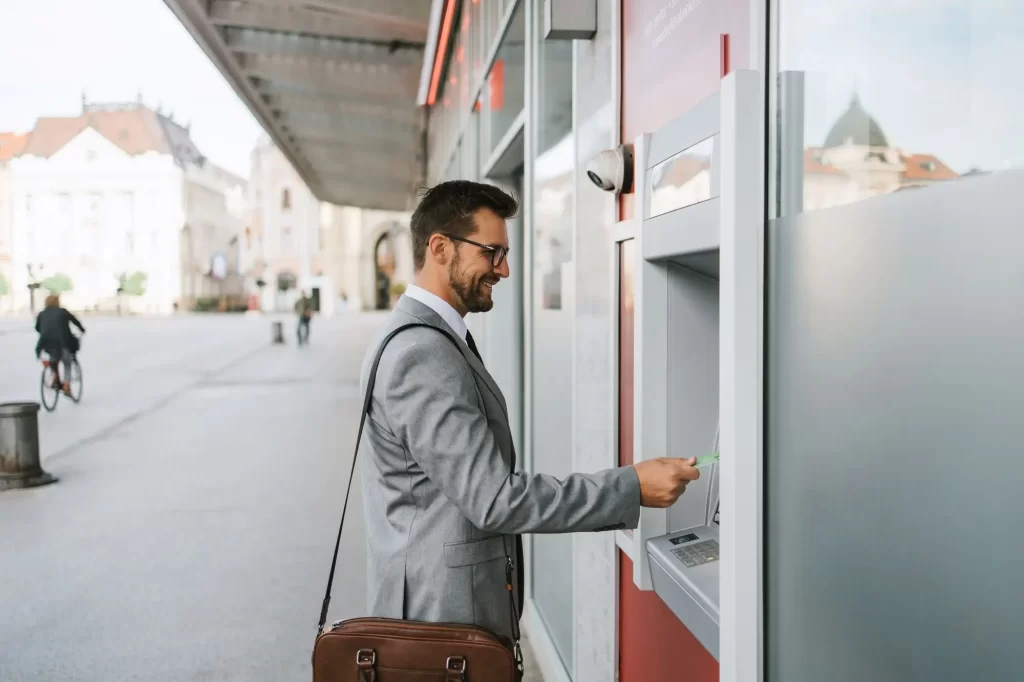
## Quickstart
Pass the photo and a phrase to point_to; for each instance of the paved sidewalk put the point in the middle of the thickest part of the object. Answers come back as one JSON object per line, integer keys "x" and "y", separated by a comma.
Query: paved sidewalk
{"x": 191, "y": 530}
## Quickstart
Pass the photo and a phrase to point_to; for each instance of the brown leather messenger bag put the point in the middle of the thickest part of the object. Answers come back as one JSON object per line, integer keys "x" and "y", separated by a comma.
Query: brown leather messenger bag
{"x": 395, "y": 650}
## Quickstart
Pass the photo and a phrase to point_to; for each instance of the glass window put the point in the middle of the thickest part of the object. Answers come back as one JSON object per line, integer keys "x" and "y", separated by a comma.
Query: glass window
{"x": 882, "y": 96}
{"x": 502, "y": 98}
{"x": 552, "y": 312}
{"x": 554, "y": 78}
{"x": 470, "y": 169}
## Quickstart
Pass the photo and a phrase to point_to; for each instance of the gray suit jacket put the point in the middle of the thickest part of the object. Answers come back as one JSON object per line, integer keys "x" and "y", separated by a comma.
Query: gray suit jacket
{"x": 440, "y": 504}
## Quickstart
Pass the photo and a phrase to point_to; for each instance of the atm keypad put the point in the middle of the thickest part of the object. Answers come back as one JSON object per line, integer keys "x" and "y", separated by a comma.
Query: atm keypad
{"x": 697, "y": 554}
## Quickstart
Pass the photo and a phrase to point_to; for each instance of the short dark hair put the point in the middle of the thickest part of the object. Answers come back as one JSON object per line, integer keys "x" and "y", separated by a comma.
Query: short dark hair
{"x": 450, "y": 207}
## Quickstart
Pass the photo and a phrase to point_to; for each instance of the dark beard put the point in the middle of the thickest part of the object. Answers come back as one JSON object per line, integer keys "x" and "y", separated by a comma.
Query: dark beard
{"x": 471, "y": 292}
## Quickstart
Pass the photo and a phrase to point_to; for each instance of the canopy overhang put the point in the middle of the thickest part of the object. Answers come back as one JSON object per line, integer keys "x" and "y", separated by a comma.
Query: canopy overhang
{"x": 334, "y": 83}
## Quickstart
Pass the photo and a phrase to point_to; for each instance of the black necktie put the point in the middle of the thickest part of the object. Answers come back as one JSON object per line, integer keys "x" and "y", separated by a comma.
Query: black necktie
{"x": 472, "y": 346}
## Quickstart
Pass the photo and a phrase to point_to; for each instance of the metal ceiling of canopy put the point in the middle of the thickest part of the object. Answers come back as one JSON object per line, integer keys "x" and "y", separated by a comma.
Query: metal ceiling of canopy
{"x": 334, "y": 82}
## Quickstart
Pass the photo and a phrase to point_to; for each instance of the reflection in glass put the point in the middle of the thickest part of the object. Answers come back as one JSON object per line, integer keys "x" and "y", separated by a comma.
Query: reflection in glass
{"x": 554, "y": 91}
{"x": 504, "y": 87}
{"x": 682, "y": 180}
{"x": 553, "y": 220}
{"x": 895, "y": 96}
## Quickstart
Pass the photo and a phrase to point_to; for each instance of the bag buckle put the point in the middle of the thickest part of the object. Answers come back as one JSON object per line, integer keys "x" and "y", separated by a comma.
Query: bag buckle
{"x": 366, "y": 657}
{"x": 456, "y": 663}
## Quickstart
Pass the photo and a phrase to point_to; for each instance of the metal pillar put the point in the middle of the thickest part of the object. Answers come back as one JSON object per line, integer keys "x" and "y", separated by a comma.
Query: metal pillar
{"x": 19, "y": 447}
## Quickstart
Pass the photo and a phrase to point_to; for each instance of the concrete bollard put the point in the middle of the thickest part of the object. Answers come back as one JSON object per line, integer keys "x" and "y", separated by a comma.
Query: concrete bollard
{"x": 19, "y": 447}
{"x": 278, "y": 331}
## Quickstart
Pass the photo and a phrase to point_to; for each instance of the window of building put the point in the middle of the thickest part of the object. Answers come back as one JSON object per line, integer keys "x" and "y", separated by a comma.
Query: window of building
{"x": 287, "y": 241}
{"x": 876, "y": 97}
{"x": 286, "y": 199}
{"x": 502, "y": 97}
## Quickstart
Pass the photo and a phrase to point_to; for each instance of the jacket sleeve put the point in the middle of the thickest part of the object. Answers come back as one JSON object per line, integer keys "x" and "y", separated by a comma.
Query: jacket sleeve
{"x": 74, "y": 320}
{"x": 434, "y": 407}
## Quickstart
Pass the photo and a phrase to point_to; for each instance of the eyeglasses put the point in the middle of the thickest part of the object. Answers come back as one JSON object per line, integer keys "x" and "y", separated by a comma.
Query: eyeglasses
{"x": 498, "y": 253}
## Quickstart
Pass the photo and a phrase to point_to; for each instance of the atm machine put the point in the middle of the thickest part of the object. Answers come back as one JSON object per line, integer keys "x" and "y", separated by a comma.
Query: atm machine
{"x": 698, "y": 283}
{"x": 684, "y": 565}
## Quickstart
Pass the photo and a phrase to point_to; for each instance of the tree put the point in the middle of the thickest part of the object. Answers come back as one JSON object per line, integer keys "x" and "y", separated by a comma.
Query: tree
{"x": 133, "y": 284}
{"x": 58, "y": 283}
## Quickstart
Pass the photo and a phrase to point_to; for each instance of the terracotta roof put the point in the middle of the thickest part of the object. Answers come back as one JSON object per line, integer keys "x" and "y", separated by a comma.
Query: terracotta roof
{"x": 136, "y": 131}
{"x": 813, "y": 165}
{"x": 927, "y": 167}
{"x": 682, "y": 169}
{"x": 918, "y": 167}
{"x": 11, "y": 145}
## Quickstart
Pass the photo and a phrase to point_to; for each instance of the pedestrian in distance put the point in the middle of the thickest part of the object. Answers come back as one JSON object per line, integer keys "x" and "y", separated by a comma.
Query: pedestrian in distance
{"x": 304, "y": 309}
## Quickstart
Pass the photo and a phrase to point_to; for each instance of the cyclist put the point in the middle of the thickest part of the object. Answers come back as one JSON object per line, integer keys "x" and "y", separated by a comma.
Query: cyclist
{"x": 55, "y": 337}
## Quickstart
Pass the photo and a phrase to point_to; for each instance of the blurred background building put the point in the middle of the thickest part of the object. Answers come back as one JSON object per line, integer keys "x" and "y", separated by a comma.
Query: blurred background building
{"x": 116, "y": 207}
{"x": 345, "y": 258}
{"x": 10, "y": 145}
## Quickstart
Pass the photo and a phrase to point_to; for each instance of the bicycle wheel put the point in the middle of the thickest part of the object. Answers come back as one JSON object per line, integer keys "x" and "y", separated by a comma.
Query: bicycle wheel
{"x": 75, "y": 381}
{"x": 47, "y": 393}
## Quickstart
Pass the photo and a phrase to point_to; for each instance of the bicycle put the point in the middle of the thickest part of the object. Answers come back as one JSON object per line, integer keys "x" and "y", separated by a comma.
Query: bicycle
{"x": 50, "y": 389}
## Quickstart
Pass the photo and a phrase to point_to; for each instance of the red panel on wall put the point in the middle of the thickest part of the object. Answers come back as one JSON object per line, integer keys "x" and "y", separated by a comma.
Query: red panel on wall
{"x": 656, "y": 647}
{"x": 497, "y": 85}
{"x": 626, "y": 255}
{"x": 672, "y": 59}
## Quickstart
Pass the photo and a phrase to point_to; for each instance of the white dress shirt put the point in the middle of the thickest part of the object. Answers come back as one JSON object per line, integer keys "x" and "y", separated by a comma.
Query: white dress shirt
{"x": 440, "y": 306}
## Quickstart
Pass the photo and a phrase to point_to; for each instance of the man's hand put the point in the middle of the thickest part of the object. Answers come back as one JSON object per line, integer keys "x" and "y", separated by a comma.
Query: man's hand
{"x": 663, "y": 480}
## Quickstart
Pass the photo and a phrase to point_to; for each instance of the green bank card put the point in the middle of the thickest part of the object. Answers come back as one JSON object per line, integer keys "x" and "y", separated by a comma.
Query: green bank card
{"x": 705, "y": 460}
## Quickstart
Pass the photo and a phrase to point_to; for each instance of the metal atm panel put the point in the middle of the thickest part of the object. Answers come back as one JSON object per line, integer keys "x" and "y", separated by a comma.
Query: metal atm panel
{"x": 684, "y": 570}
{"x": 697, "y": 339}
{"x": 680, "y": 240}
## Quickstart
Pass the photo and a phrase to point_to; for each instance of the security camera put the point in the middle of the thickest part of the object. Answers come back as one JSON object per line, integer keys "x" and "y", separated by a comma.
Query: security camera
{"x": 612, "y": 169}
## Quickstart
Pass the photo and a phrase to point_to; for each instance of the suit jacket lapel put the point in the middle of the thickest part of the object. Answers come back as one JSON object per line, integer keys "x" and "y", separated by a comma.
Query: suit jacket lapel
{"x": 427, "y": 314}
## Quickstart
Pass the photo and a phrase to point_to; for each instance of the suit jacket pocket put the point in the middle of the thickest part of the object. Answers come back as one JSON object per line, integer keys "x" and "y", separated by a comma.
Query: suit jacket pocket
{"x": 473, "y": 551}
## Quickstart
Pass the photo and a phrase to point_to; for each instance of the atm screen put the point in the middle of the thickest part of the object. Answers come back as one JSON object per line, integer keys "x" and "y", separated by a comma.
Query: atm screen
{"x": 684, "y": 179}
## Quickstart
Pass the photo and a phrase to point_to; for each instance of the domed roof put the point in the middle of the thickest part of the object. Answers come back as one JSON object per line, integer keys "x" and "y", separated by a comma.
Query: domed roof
{"x": 856, "y": 126}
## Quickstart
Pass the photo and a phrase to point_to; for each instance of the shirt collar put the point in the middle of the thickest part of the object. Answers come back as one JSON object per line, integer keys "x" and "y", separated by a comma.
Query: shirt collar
{"x": 439, "y": 306}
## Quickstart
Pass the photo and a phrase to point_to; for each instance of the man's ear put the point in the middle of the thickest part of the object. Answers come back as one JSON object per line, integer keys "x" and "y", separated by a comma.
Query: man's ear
{"x": 438, "y": 248}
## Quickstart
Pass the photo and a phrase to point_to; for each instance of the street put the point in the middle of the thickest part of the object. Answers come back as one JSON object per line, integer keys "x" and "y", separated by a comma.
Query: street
{"x": 201, "y": 479}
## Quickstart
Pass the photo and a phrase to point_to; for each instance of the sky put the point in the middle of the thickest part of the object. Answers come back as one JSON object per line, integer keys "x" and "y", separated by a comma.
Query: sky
{"x": 53, "y": 50}
{"x": 937, "y": 75}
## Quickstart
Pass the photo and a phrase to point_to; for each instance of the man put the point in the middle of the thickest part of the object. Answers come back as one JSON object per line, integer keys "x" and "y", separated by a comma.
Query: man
{"x": 304, "y": 307}
{"x": 443, "y": 495}
{"x": 54, "y": 326}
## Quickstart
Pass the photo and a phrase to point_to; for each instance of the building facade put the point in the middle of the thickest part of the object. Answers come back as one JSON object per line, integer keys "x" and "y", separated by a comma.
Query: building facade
{"x": 119, "y": 197}
{"x": 345, "y": 258}
{"x": 813, "y": 266}
{"x": 11, "y": 145}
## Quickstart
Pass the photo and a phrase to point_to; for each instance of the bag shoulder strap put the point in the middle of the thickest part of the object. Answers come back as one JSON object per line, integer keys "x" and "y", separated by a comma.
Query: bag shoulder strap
{"x": 371, "y": 378}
